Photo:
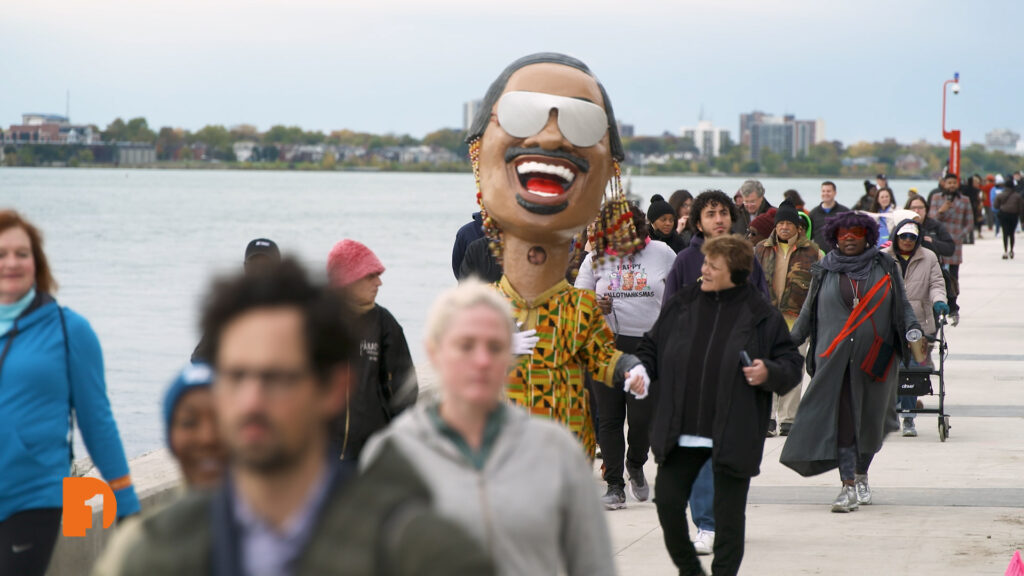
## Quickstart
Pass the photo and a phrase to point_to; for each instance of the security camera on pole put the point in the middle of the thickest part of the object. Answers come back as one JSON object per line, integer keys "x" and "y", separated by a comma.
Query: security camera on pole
{"x": 954, "y": 135}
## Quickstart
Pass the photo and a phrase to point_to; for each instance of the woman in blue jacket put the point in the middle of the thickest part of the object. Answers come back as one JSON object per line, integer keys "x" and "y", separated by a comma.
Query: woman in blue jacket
{"x": 50, "y": 365}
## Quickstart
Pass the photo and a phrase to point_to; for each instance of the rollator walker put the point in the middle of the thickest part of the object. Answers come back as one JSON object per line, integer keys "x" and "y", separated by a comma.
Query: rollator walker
{"x": 917, "y": 381}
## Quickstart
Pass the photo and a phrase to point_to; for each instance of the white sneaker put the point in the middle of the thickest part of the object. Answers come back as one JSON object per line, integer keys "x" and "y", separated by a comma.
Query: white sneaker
{"x": 704, "y": 543}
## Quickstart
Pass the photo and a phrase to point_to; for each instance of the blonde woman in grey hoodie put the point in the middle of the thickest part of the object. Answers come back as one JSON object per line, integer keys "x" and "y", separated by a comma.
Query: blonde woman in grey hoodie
{"x": 519, "y": 484}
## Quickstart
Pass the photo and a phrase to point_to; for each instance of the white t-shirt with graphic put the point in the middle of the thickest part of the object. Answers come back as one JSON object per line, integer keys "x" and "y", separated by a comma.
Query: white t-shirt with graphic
{"x": 635, "y": 283}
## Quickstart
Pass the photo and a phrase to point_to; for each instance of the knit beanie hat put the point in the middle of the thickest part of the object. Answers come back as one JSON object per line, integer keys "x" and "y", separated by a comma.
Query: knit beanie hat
{"x": 787, "y": 213}
{"x": 193, "y": 376}
{"x": 351, "y": 261}
{"x": 764, "y": 223}
{"x": 658, "y": 208}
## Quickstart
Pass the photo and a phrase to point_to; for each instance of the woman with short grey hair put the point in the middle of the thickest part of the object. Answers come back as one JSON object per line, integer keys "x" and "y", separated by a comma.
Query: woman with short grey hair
{"x": 521, "y": 485}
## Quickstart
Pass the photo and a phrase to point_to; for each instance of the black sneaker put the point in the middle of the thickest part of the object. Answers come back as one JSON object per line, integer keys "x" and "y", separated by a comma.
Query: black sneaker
{"x": 614, "y": 498}
{"x": 784, "y": 428}
{"x": 771, "y": 428}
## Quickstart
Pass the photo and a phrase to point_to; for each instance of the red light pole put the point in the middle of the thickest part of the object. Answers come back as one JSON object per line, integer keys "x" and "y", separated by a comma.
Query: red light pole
{"x": 954, "y": 135}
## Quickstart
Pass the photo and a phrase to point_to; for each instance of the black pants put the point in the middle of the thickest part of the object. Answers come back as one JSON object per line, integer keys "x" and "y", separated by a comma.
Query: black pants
{"x": 851, "y": 461}
{"x": 1008, "y": 222}
{"x": 27, "y": 540}
{"x": 614, "y": 407}
{"x": 954, "y": 284}
{"x": 676, "y": 476}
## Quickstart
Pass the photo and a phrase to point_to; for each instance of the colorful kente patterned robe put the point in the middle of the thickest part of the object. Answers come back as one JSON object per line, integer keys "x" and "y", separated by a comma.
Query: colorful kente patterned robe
{"x": 574, "y": 339}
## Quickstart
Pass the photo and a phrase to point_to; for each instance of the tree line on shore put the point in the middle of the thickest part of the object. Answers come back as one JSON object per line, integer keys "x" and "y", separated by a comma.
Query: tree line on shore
{"x": 347, "y": 149}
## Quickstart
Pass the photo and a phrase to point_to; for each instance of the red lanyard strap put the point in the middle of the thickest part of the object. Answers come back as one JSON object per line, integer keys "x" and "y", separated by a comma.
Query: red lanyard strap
{"x": 856, "y": 318}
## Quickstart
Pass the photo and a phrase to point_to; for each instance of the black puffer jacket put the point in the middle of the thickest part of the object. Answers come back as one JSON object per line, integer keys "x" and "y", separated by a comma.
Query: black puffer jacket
{"x": 741, "y": 411}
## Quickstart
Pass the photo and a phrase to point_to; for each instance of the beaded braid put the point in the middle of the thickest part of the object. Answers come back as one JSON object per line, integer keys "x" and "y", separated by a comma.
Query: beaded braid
{"x": 615, "y": 231}
{"x": 491, "y": 229}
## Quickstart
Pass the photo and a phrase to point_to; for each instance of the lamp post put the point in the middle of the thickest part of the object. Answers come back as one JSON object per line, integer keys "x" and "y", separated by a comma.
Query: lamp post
{"x": 953, "y": 135}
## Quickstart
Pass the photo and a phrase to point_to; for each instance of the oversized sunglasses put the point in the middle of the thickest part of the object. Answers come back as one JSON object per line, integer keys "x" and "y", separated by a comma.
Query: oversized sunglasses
{"x": 524, "y": 114}
{"x": 907, "y": 236}
{"x": 855, "y": 233}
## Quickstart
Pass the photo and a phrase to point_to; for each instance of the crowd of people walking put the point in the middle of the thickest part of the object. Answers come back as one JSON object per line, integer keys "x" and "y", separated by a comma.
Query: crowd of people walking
{"x": 305, "y": 447}
{"x": 721, "y": 327}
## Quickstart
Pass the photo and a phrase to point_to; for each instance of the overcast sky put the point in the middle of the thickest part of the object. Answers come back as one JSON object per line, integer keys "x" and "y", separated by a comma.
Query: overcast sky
{"x": 871, "y": 69}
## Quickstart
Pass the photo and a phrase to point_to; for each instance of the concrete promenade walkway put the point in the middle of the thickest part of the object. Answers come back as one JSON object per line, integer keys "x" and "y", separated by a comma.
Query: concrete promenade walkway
{"x": 953, "y": 508}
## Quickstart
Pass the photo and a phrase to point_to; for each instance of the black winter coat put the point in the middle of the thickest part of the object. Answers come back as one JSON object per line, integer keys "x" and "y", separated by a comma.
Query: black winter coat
{"x": 463, "y": 238}
{"x": 385, "y": 383}
{"x": 942, "y": 242}
{"x": 676, "y": 241}
{"x": 741, "y": 411}
{"x": 479, "y": 262}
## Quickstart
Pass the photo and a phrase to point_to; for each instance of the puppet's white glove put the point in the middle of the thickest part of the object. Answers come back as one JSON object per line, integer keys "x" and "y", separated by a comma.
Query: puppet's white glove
{"x": 524, "y": 342}
{"x": 638, "y": 382}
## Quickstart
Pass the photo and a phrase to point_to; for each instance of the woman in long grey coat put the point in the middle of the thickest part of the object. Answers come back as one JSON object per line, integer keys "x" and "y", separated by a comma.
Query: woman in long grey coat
{"x": 858, "y": 319}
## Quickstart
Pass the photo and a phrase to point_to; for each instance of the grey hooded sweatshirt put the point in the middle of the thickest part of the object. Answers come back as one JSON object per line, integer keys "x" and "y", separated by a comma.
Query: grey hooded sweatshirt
{"x": 533, "y": 504}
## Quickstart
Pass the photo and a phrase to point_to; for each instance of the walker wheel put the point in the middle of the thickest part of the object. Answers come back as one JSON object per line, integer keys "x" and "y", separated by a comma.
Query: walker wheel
{"x": 943, "y": 428}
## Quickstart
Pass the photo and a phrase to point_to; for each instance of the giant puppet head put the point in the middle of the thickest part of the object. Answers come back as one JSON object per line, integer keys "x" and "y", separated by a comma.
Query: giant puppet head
{"x": 547, "y": 147}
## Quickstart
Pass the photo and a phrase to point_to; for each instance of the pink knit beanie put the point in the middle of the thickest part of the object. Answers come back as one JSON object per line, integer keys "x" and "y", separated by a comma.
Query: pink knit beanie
{"x": 351, "y": 261}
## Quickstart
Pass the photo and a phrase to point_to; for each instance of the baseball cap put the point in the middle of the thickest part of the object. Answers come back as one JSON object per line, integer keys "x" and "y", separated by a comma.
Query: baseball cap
{"x": 262, "y": 247}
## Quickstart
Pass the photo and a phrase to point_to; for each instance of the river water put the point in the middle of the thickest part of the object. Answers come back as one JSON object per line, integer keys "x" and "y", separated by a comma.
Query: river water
{"x": 134, "y": 250}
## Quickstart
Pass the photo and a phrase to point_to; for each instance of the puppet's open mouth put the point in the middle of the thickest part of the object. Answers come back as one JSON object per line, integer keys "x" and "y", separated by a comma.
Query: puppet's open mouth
{"x": 545, "y": 180}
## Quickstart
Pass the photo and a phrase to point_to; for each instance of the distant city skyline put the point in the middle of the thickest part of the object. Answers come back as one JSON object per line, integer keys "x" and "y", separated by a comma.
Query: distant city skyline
{"x": 872, "y": 71}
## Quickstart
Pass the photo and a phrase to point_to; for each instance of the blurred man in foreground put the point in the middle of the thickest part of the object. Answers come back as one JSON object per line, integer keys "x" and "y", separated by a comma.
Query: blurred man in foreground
{"x": 282, "y": 349}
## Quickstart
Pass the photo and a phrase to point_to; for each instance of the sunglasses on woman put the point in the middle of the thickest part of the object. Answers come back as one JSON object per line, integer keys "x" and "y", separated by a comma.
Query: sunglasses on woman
{"x": 911, "y": 237}
{"x": 524, "y": 114}
{"x": 854, "y": 233}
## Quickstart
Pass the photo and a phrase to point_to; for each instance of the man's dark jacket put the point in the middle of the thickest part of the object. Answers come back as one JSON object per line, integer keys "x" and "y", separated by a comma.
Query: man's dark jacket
{"x": 480, "y": 263}
{"x": 463, "y": 238}
{"x": 744, "y": 218}
{"x": 741, "y": 410}
{"x": 377, "y": 524}
{"x": 818, "y": 219}
{"x": 942, "y": 241}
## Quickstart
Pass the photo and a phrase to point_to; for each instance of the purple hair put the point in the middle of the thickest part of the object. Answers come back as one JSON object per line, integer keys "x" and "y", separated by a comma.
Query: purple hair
{"x": 851, "y": 220}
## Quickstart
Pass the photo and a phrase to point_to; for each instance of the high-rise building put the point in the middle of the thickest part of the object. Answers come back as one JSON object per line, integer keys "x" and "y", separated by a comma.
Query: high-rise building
{"x": 746, "y": 121}
{"x": 1002, "y": 140}
{"x": 708, "y": 139}
{"x": 783, "y": 135}
{"x": 469, "y": 110}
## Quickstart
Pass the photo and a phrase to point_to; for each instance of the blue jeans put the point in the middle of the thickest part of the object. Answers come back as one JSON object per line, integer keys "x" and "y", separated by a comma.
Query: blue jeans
{"x": 702, "y": 499}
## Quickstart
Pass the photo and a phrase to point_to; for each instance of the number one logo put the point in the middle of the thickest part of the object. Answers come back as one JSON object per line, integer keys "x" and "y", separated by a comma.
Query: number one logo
{"x": 77, "y": 514}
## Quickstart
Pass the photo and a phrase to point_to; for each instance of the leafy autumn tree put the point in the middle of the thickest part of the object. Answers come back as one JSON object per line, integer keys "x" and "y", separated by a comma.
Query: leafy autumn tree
{"x": 135, "y": 130}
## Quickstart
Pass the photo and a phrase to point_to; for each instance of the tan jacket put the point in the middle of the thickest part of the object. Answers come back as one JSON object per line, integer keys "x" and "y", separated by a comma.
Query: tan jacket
{"x": 925, "y": 286}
